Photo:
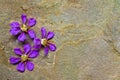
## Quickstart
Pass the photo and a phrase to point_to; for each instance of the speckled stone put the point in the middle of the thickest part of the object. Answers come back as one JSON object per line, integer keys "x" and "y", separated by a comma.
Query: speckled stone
{"x": 87, "y": 35}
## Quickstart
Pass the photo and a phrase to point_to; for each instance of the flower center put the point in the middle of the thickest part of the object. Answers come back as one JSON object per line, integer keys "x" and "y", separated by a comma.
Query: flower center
{"x": 24, "y": 58}
{"x": 24, "y": 28}
{"x": 44, "y": 42}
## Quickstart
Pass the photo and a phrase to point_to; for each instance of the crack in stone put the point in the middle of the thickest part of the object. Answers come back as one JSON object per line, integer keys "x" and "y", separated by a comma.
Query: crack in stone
{"x": 111, "y": 42}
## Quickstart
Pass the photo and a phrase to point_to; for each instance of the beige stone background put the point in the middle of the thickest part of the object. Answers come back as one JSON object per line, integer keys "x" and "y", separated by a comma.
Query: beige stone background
{"x": 87, "y": 39}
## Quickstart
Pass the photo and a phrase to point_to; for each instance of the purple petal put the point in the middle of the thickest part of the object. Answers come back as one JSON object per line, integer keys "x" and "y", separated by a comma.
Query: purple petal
{"x": 46, "y": 51}
{"x": 52, "y": 47}
{"x": 14, "y": 60}
{"x": 31, "y": 34}
{"x": 15, "y": 24}
{"x": 33, "y": 54}
{"x": 15, "y": 30}
{"x": 31, "y": 22}
{"x": 17, "y": 51}
{"x": 43, "y": 32}
{"x": 22, "y": 37}
{"x": 24, "y": 18}
{"x": 37, "y": 47}
{"x": 37, "y": 41}
{"x": 50, "y": 35}
{"x": 21, "y": 67}
{"x": 30, "y": 65}
{"x": 27, "y": 48}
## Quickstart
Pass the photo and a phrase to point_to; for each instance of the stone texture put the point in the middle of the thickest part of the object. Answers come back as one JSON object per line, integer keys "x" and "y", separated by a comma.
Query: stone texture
{"x": 87, "y": 39}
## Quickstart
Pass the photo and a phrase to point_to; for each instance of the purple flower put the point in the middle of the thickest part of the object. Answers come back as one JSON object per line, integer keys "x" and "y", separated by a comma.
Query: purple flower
{"x": 24, "y": 58}
{"x": 45, "y": 41}
{"x": 22, "y": 29}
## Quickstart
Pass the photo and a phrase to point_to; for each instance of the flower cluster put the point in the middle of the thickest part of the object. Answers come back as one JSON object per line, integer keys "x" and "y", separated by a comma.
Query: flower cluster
{"x": 29, "y": 52}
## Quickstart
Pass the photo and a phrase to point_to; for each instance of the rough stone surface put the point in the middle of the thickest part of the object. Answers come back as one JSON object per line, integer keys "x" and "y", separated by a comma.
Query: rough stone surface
{"x": 87, "y": 39}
